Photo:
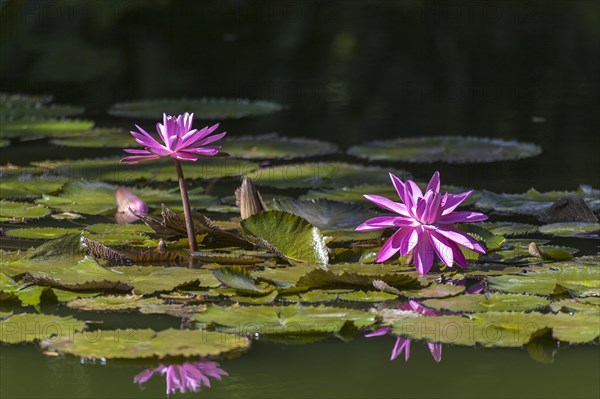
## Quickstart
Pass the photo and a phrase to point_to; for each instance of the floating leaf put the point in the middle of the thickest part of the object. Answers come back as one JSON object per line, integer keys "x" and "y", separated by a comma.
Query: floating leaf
{"x": 272, "y": 146}
{"x": 4, "y": 143}
{"x": 30, "y": 185}
{"x": 290, "y": 235}
{"x": 140, "y": 344}
{"x": 319, "y": 278}
{"x": 239, "y": 279}
{"x": 435, "y": 291}
{"x": 509, "y": 228}
{"x": 570, "y": 229}
{"x": 11, "y": 211}
{"x": 571, "y": 208}
{"x": 321, "y": 174}
{"x": 95, "y": 198}
{"x": 41, "y": 232}
{"x": 113, "y": 303}
{"x": 325, "y": 214}
{"x": 292, "y": 320}
{"x": 28, "y": 327}
{"x": 488, "y": 303}
{"x": 96, "y": 138}
{"x": 533, "y": 202}
{"x": 42, "y": 128}
{"x": 576, "y": 306}
{"x": 450, "y": 149}
{"x": 204, "y": 108}
{"x": 26, "y": 111}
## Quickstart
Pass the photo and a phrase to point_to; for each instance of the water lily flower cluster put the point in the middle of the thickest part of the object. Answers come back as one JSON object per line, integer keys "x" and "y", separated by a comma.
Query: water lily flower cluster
{"x": 403, "y": 344}
{"x": 425, "y": 224}
{"x": 182, "y": 143}
{"x": 189, "y": 376}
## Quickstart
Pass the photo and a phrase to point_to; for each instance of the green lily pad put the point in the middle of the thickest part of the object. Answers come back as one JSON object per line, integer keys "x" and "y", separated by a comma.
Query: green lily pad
{"x": 111, "y": 169}
{"x": 450, "y": 149}
{"x": 25, "y": 111}
{"x": 113, "y": 303}
{"x": 4, "y": 143}
{"x": 576, "y": 306}
{"x": 42, "y": 128}
{"x": 140, "y": 344}
{"x": 291, "y": 236}
{"x": 435, "y": 291}
{"x": 96, "y": 138}
{"x": 509, "y": 228}
{"x": 283, "y": 277}
{"x": 204, "y": 108}
{"x": 41, "y": 232}
{"x": 534, "y": 202}
{"x": 325, "y": 214}
{"x": 240, "y": 280}
{"x": 11, "y": 211}
{"x": 28, "y": 327}
{"x": 292, "y": 320}
{"x": 319, "y": 278}
{"x": 321, "y": 174}
{"x": 272, "y": 146}
{"x": 320, "y": 296}
{"x": 570, "y": 229}
{"x": 95, "y": 198}
{"x": 33, "y": 186}
{"x": 23, "y": 100}
{"x": 9, "y": 289}
{"x": 488, "y": 303}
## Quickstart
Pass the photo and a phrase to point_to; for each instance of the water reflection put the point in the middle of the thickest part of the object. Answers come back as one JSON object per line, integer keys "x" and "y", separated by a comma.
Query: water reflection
{"x": 189, "y": 376}
{"x": 403, "y": 344}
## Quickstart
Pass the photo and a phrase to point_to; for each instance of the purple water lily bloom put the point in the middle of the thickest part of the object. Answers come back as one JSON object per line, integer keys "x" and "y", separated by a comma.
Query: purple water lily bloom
{"x": 403, "y": 344}
{"x": 179, "y": 141}
{"x": 425, "y": 224}
{"x": 187, "y": 376}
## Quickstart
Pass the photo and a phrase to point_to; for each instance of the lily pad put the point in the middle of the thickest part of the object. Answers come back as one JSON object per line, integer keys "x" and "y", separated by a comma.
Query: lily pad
{"x": 28, "y": 327}
{"x": 11, "y": 211}
{"x": 570, "y": 229}
{"x": 325, "y": 214}
{"x": 204, "y": 108}
{"x": 450, "y": 149}
{"x": 13, "y": 111}
{"x": 95, "y": 198}
{"x": 4, "y": 143}
{"x": 509, "y": 228}
{"x": 113, "y": 303}
{"x": 42, "y": 128}
{"x": 41, "y": 232}
{"x": 435, "y": 291}
{"x": 321, "y": 174}
{"x": 534, "y": 202}
{"x": 291, "y": 236}
{"x": 273, "y": 146}
{"x": 140, "y": 344}
{"x": 292, "y": 320}
{"x": 488, "y": 303}
{"x": 96, "y": 138}
{"x": 30, "y": 185}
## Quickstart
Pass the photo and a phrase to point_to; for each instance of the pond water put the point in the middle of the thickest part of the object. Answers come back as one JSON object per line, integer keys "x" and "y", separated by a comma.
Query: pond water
{"x": 347, "y": 73}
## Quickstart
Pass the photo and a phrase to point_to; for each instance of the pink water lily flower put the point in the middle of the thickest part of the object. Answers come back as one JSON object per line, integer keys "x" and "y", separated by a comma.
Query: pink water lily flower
{"x": 425, "y": 224}
{"x": 403, "y": 344}
{"x": 179, "y": 141}
{"x": 189, "y": 376}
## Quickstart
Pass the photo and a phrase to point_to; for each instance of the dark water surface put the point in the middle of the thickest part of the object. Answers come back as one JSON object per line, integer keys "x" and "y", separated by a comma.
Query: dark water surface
{"x": 348, "y": 72}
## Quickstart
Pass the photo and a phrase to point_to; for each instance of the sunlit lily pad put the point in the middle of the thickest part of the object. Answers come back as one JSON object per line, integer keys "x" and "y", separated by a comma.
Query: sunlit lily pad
{"x": 113, "y": 303}
{"x": 451, "y": 149}
{"x": 96, "y": 198}
{"x": 534, "y": 202}
{"x": 139, "y": 344}
{"x": 4, "y": 143}
{"x": 576, "y": 306}
{"x": 570, "y": 229}
{"x": 111, "y": 169}
{"x": 273, "y": 146}
{"x": 42, "y": 128}
{"x": 509, "y": 228}
{"x": 321, "y": 296}
{"x": 289, "y": 235}
{"x": 96, "y": 138}
{"x": 41, "y": 232}
{"x": 488, "y": 303}
{"x": 325, "y": 214}
{"x": 321, "y": 174}
{"x": 12, "y": 111}
{"x": 20, "y": 211}
{"x": 30, "y": 185}
{"x": 28, "y": 327}
{"x": 435, "y": 291}
{"x": 292, "y": 320}
{"x": 204, "y": 108}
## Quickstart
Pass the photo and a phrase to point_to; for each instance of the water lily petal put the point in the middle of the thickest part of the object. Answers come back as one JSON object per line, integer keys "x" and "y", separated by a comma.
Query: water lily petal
{"x": 391, "y": 246}
{"x": 139, "y": 158}
{"x": 377, "y": 223}
{"x": 424, "y": 254}
{"x": 442, "y": 248}
{"x": 461, "y": 238}
{"x": 462, "y": 217}
{"x": 379, "y": 332}
{"x": 436, "y": 350}
{"x": 402, "y": 344}
{"x": 451, "y": 201}
{"x": 409, "y": 241}
{"x": 388, "y": 204}
{"x": 459, "y": 257}
{"x": 434, "y": 183}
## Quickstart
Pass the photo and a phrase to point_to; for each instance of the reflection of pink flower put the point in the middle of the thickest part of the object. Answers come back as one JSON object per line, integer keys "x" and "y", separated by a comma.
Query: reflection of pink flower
{"x": 403, "y": 344}
{"x": 425, "y": 224}
{"x": 475, "y": 288}
{"x": 126, "y": 203}
{"x": 187, "y": 376}
{"x": 179, "y": 141}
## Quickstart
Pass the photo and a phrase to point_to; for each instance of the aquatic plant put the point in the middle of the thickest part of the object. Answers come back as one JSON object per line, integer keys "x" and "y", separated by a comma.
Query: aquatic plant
{"x": 189, "y": 376}
{"x": 425, "y": 224}
{"x": 181, "y": 142}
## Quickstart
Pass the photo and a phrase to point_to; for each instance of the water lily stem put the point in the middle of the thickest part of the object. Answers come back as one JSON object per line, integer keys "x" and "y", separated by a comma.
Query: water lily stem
{"x": 187, "y": 211}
